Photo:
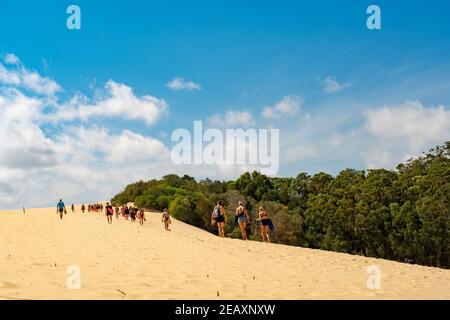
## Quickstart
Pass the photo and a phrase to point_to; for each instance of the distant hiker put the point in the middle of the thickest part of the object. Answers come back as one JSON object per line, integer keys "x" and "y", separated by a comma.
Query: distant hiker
{"x": 243, "y": 217}
{"x": 60, "y": 208}
{"x": 126, "y": 212}
{"x": 23, "y": 209}
{"x": 117, "y": 212}
{"x": 83, "y": 208}
{"x": 133, "y": 213}
{"x": 141, "y": 217}
{"x": 166, "y": 219}
{"x": 266, "y": 224}
{"x": 109, "y": 212}
{"x": 73, "y": 208}
{"x": 219, "y": 217}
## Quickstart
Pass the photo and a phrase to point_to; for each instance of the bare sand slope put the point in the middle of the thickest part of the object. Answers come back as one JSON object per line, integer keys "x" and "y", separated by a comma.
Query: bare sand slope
{"x": 126, "y": 261}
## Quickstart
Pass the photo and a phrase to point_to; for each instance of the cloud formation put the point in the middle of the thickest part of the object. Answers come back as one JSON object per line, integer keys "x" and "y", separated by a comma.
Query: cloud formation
{"x": 331, "y": 85}
{"x": 178, "y": 84}
{"x": 288, "y": 106}
{"x": 399, "y": 132}
{"x": 11, "y": 58}
{"x": 19, "y": 76}
{"x": 232, "y": 118}
{"x": 387, "y": 135}
{"x": 118, "y": 101}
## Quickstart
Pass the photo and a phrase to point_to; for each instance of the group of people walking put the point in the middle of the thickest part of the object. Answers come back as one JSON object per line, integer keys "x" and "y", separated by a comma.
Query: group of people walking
{"x": 127, "y": 212}
{"x": 96, "y": 207}
{"x": 242, "y": 218}
{"x": 218, "y": 217}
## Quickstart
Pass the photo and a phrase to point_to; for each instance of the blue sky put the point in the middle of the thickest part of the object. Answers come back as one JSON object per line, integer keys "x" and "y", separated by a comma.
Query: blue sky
{"x": 247, "y": 56}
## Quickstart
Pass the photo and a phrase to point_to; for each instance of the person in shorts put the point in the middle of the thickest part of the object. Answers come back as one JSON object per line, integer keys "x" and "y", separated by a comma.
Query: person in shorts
{"x": 109, "y": 212}
{"x": 141, "y": 217}
{"x": 219, "y": 217}
{"x": 243, "y": 217}
{"x": 166, "y": 220}
{"x": 60, "y": 208}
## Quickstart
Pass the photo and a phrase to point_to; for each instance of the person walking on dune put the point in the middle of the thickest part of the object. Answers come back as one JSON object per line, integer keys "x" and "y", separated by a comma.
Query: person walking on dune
{"x": 60, "y": 208}
{"x": 141, "y": 217}
{"x": 265, "y": 224}
{"x": 117, "y": 212}
{"x": 83, "y": 208}
{"x": 126, "y": 212}
{"x": 242, "y": 216}
{"x": 166, "y": 220}
{"x": 109, "y": 212}
{"x": 219, "y": 217}
{"x": 133, "y": 213}
{"x": 73, "y": 208}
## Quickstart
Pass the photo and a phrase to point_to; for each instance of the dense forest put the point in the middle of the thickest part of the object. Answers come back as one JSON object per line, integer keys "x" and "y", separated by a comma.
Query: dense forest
{"x": 401, "y": 214}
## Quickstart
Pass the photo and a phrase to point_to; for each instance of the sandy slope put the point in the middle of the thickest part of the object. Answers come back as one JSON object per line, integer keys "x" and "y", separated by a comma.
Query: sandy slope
{"x": 149, "y": 263}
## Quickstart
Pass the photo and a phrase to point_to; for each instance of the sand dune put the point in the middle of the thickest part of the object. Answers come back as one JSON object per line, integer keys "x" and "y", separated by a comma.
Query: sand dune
{"x": 126, "y": 261}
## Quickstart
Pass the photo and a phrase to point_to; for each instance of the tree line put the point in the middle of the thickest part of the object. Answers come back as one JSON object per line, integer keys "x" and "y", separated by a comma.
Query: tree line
{"x": 401, "y": 214}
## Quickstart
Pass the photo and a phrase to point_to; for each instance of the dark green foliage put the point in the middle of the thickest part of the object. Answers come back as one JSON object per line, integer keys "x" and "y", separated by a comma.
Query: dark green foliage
{"x": 402, "y": 215}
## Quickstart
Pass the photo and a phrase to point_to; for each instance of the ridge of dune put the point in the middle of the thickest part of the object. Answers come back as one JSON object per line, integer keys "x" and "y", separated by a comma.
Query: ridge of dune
{"x": 126, "y": 261}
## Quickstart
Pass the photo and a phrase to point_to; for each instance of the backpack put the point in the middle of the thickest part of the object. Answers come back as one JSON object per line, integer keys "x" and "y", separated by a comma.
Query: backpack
{"x": 217, "y": 212}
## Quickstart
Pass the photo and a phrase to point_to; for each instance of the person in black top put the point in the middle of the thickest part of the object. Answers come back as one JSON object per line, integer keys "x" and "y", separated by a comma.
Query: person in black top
{"x": 126, "y": 212}
{"x": 219, "y": 217}
{"x": 109, "y": 212}
{"x": 265, "y": 224}
{"x": 133, "y": 213}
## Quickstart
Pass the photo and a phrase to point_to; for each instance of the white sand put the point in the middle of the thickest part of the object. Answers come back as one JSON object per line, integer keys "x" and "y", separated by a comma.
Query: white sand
{"x": 187, "y": 263}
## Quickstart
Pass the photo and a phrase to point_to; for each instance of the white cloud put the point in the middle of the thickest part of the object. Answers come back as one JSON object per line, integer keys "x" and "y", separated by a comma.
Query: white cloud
{"x": 400, "y": 132}
{"x": 11, "y": 58}
{"x": 386, "y": 136}
{"x": 98, "y": 144}
{"x": 19, "y": 76}
{"x": 331, "y": 85}
{"x": 78, "y": 164}
{"x": 178, "y": 84}
{"x": 288, "y": 106}
{"x": 119, "y": 101}
{"x": 22, "y": 142}
{"x": 41, "y": 85}
{"x": 8, "y": 77}
{"x": 232, "y": 118}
